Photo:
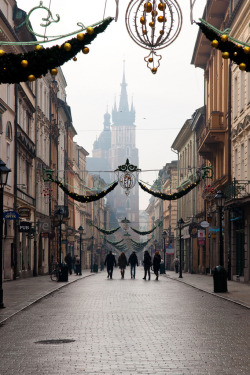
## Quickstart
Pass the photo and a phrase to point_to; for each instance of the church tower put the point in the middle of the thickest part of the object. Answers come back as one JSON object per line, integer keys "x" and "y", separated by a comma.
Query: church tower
{"x": 123, "y": 147}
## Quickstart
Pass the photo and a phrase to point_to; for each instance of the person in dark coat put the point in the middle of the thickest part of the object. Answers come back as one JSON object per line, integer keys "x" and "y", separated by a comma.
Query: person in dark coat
{"x": 122, "y": 263}
{"x": 156, "y": 264}
{"x": 147, "y": 264}
{"x": 133, "y": 261}
{"x": 110, "y": 263}
{"x": 68, "y": 260}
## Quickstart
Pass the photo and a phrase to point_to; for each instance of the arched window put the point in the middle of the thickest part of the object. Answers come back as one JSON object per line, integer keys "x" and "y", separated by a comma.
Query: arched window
{"x": 9, "y": 131}
{"x": 128, "y": 203}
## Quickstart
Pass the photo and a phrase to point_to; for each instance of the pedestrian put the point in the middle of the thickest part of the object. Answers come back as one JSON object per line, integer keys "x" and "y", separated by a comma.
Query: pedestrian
{"x": 68, "y": 260}
{"x": 110, "y": 262}
{"x": 156, "y": 264}
{"x": 133, "y": 261}
{"x": 176, "y": 263}
{"x": 147, "y": 264}
{"x": 77, "y": 265}
{"x": 122, "y": 263}
{"x": 74, "y": 263}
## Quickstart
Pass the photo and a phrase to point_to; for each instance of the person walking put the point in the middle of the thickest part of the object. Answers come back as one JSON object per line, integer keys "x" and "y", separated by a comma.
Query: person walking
{"x": 77, "y": 265}
{"x": 147, "y": 264}
{"x": 110, "y": 262}
{"x": 133, "y": 261}
{"x": 156, "y": 264}
{"x": 122, "y": 263}
{"x": 68, "y": 260}
{"x": 176, "y": 264}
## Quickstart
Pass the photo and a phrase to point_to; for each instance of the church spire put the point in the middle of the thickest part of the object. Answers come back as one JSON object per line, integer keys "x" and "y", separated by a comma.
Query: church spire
{"x": 123, "y": 106}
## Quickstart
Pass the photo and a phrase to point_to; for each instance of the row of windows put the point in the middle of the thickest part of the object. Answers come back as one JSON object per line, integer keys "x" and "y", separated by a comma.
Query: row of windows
{"x": 241, "y": 93}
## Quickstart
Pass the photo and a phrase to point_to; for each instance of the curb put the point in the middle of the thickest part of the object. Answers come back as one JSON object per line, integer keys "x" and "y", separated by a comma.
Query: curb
{"x": 211, "y": 293}
{"x": 2, "y": 322}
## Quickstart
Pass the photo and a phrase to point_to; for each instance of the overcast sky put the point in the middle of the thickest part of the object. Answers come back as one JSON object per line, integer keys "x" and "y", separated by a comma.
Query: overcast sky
{"x": 162, "y": 101}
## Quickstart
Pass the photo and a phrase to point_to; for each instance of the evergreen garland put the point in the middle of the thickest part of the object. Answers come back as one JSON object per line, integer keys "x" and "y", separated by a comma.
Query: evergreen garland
{"x": 170, "y": 197}
{"x": 41, "y": 61}
{"x": 114, "y": 243}
{"x": 143, "y": 233}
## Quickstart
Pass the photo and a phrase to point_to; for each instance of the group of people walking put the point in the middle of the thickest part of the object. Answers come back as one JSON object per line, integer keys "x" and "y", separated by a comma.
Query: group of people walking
{"x": 110, "y": 262}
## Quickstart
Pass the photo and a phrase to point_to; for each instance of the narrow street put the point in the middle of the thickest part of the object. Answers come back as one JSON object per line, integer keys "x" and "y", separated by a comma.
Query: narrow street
{"x": 102, "y": 326}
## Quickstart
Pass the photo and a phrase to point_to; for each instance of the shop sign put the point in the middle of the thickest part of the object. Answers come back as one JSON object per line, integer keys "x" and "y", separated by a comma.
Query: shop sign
{"x": 24, "y": 211}
{"x": 24, "y": 226}
{"x": 204, "y": 224}
{"x": 193, "y": 230}
{"x": 186, "y": 233}
{"x": 11, "y": 215}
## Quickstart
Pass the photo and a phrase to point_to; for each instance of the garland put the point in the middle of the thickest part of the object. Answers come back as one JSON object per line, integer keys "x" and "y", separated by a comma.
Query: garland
{"x": 238, "y": 52}
{"x": 143, "y": 233}
{"x": 140, "y": 245}
{"x": 114, "y": 243}
{"x": 104, "y": 231}
{"x": 170, "y": 197}
{"x": 84, "y": 198}
{"x": 15, "y": 68}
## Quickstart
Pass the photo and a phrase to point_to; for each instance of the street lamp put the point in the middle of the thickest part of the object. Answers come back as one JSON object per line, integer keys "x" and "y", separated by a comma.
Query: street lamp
{"x": 92, "y": 249}
{"x": 220, "y": 202}
{"x": 60, "y": 214}
{"x": 180, "y": 223}
{"x": 4, "y": 172}
{"x": 80, "y": 230}
{"x": 164, "y": 235}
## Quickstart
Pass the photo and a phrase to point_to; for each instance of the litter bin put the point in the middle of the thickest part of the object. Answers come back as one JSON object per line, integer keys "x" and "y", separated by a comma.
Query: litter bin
{"x": 162, "y": 268}
{"x": 220, "y": 280}
{"x": 95, "y": 267}
{"x": 63, "y": 272}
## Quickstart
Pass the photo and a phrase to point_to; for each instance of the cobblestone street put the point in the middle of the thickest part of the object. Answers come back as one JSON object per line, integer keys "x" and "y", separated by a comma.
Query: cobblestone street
{"x": 127, "y": 327}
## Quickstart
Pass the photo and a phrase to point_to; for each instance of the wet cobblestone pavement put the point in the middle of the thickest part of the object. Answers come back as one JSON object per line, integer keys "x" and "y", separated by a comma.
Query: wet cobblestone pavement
{"x": 127, "y": 327}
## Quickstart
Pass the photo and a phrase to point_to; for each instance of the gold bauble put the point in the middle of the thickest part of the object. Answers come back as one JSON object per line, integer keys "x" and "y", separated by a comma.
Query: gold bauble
{"x": 225, "y": 55}
{"x": 142, "y": 20}
{"x": 24, "y": 63}
{"x": 90, "y": 30}
{"x": 38, "y": 47}
{"x": 242, "y": 66}
{"x": 239, "y": 45}
{"x": 154, "y": 13}
{"x": 1, "y": 52}
{"x": 31, "y": 78}
{"x": 151, "y": 24}
{"x": 161, "y": 32}
{"x": 224, "y": 38}
{"x": 144, "y": 32}
{"x": 85, "y": 50}
{"x": 150, "y": 59}
{"x": 80, "y": 36}
{"x": 154, "y": 70}
{"x": 74, "y": 58}
{"x": 246, "y": 50}
{"x": 54, "y": 72}
{"x": 161, "y": 19}
{"x": 235, "y": 53}
{"x": 67, "y": 47}
{"x": 214, "y": 43}
{"x": 161, "y": 6}
{"x": 148, "y": 7}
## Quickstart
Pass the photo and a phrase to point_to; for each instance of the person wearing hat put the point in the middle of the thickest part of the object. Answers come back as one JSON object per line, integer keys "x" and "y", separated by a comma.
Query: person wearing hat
{"x": 156, "y": 264}
{"x": 133, "y": 261}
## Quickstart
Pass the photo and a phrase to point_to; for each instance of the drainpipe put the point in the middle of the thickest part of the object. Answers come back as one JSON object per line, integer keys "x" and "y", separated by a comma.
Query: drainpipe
{"x": 15, "y": 242}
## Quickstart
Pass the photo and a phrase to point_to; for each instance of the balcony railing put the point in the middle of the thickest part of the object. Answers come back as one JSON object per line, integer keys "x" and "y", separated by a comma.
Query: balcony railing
{"x": 214, "y": 124}
{"x": 237, "y": 189}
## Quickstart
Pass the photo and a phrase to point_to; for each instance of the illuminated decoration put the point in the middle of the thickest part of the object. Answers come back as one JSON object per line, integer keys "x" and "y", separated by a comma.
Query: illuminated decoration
{"x": 29, "y": 66}
{"x": 127, "y": 180}
{"x": 48, "y": 176}
{"x": 153, "y": 25}
{"x": 231, "y": 48}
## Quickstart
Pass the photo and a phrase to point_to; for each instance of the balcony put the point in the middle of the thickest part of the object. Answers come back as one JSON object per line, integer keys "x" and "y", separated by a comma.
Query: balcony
{"x": 25, "y": 141}
{"x": 213, "y": 133}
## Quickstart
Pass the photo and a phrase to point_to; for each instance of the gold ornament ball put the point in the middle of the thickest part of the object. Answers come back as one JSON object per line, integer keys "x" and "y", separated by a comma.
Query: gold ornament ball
{"x": 151, "y": 24}
{"x": 85, "y": 50}
{"x": 54, "y": 72}
{"x": 148, "y": 7}
{"x": 31, "y": 78}
{"x": 74, "y": 58}
{"x": 161, "y": 32}
{"x": 161, "y": 6}
{"x": 144, "y": 32}
{"x": 154, "y": 70}
{"x": 80, "y": 36}
{"x": 214, "y": 43}
{"x": 225, "y": 55}
{"x": 67, "y": 47}
{"x": 154, "y": 13}
{"x": 1, "y": 52}
{"x": 24, "y": 63}
{"x": 224, "y": 38}
{"x": 90, "y": 30}
{"x": 246, "y": 50}
{"x": 38, "y": 47}
{"x": 242, "y": 66}
{"x": 161, "y": 19}
{"x": 142, "y": 20}
{"x": 150, "y": 59}
{"x": 239, "y": 45}
{"x": 235, "y": 53}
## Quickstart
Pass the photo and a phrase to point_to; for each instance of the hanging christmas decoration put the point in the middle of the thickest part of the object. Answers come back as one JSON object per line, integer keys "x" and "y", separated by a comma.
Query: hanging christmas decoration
{"x": 104, "y": 231}
{"x": 153, "y": 25}
{"x": 143, "y": 233}
{"x": 126, "y": 178}
{"x": 231, "y": 48}
{"x": 15, "y": 68}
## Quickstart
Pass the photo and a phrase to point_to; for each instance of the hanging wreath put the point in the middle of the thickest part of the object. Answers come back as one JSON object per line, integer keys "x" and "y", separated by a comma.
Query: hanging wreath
{"x": 22, "y": 67}
{"x": 237, "y": 51}
{"x": 170, "y": 197}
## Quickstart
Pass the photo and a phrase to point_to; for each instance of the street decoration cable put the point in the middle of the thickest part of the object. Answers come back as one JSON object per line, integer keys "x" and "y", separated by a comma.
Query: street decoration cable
{"x": 29, "y": 66}
{"x": 231, "y": 48}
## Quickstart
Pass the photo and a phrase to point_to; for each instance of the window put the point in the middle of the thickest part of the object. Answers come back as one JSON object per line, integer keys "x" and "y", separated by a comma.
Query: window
{"x": 8, "y": 161}
{"x": 9, "y": 131}
{"x": 235, "y": 96}
{"x": 242, "y": 166}
{"x": 236, "y": 163}
{"x": 128, "y": 204}
{"x": 242, "y": 90}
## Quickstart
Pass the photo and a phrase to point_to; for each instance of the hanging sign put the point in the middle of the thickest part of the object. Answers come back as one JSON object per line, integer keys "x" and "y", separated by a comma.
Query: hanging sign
{"x": 24, "y": 211}
{"x": 204, "y": 224}
{"x": 25, "y": 226}
{"x": 11, "y": 215}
